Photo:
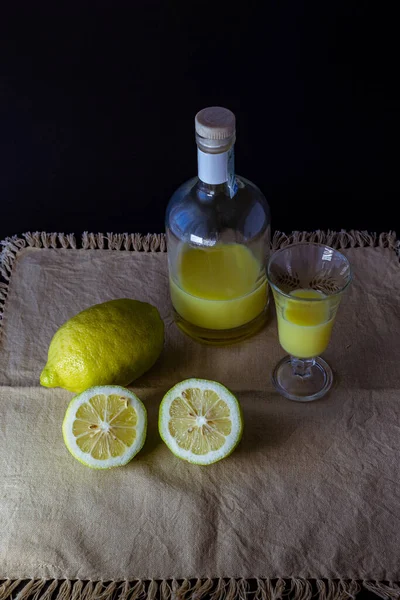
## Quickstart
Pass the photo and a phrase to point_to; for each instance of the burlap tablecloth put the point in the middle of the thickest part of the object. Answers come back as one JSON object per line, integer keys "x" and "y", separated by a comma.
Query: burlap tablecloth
{"x": 312, "y": 492}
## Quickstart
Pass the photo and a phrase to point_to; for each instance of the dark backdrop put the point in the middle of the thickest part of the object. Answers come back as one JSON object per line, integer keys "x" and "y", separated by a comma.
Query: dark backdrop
{"x": 98, "y": 101}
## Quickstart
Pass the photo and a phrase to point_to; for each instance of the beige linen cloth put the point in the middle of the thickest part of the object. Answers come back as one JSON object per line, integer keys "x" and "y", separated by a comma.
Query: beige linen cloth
{"x": 312, "y": 491}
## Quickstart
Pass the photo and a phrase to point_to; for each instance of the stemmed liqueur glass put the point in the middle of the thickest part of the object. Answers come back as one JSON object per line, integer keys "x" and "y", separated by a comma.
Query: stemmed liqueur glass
{"x": 307, "y": 281}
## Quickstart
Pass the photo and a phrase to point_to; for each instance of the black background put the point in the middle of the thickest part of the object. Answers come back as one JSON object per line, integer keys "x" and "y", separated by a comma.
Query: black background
{"x": 98, "y": 102}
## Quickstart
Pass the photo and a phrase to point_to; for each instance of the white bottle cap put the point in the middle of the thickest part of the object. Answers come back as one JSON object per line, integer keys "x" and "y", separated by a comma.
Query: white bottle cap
{"x": 215, "y": 123}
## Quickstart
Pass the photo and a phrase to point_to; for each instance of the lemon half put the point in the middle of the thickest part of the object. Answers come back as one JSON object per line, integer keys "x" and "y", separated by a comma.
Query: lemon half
{"x": 105, "y": 426}
{"x": 200, "y": 421}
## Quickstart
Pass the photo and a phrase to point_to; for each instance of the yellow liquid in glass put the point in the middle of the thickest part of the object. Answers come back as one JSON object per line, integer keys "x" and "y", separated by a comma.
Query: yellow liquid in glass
{"x": 304, "y": 327}
{"x": 218, "y": 287}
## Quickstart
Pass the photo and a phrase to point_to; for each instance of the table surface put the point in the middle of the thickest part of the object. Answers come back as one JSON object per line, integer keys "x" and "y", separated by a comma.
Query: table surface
{"x": 359, "y": 414}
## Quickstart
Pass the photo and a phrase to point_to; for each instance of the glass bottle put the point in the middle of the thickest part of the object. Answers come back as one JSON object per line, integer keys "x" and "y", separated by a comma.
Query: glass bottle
{"x": 218, "y": 236}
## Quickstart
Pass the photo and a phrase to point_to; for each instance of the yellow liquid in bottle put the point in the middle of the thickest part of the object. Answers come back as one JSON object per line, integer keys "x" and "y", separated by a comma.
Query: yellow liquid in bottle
{"x": 219, "y": 287}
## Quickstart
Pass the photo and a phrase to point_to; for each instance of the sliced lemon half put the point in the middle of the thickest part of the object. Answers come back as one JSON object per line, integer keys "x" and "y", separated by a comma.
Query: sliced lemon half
{"x": 105, "y": 426}
{"x": 200, "y": 421}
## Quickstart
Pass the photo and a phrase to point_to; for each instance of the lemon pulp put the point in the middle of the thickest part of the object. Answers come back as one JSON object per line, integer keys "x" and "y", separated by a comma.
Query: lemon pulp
{"x": 200, "y": 421}
{"x": 105, "y": 426}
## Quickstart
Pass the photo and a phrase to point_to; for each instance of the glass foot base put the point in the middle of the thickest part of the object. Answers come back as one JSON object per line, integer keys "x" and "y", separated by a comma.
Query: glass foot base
{"x": 221, "y": 337}
{"x": 302, "y": 380}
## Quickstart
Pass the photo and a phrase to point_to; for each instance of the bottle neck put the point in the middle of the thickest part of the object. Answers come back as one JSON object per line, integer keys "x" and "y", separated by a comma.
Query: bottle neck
{"x": 217, "y": 169}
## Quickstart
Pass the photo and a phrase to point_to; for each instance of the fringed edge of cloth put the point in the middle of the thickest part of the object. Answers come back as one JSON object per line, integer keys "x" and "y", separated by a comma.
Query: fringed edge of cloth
{"x": 195, "y": 589}
{"x": 156, "y": 242}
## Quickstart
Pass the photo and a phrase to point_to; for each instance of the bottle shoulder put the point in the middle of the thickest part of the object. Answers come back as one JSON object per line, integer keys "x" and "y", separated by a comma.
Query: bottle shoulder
{"x": 195, "y": 209}
{"x": 251, "y": 191}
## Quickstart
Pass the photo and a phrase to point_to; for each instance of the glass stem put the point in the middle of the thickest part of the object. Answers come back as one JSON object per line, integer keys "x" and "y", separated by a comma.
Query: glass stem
{"x": 302, "y": 366}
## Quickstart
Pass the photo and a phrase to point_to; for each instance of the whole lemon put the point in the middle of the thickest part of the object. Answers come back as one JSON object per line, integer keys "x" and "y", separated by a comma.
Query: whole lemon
{"x": 107, "y": 344}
